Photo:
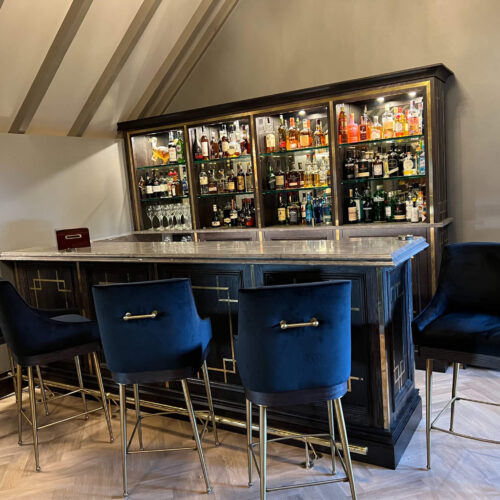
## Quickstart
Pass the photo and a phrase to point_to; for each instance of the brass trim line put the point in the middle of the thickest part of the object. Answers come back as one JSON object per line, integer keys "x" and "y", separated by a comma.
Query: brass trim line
{"x": 285, "y": 326}
{"x": 129, "y": 316}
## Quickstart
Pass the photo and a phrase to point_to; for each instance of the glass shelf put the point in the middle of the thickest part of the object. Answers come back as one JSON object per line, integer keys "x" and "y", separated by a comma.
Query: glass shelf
{"x": 368, "y": 179}
{"x": 222, "y": 160}
{"x": 163, "y": 198}
{"x": 235, "y": 193}
{"x": 277, "y": 191}
{"x": 163, "y": 165}
{"x": 406, "y": 138}
{"x": 279, "y": 154}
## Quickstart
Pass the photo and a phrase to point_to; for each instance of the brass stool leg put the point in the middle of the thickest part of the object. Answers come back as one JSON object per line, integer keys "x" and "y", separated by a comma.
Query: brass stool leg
{"x": 263, "y": 451}
{"x": 428, "y": 409}
{"x": 456, "y": 368}
{"x": 123, "y": 433}
{"x": 13, "y": 371}
{"x": 80, "y": 383}
{"x": 42, "y": 389}
{"x": 206, "y": 380}
{"x": 31, "y": 384}
{"x": 249, "y": 442}
{"x": 138, "y": 415}
{"x": 192, "y": 417}
{"x": 345, "y": 446}
{"x": 103, "y": 396}
{"x": 331, "y": 425}
{"x": 19, "y": 398}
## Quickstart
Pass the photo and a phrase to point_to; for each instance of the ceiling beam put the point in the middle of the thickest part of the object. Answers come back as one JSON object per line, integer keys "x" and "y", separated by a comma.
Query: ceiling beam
{"x": 113, "y": 68}
{"x": 174, "y": 57}
{"x": 62, "y": 41}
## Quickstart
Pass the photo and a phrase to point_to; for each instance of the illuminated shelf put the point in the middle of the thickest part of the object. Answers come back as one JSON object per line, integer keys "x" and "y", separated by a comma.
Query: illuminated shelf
{"x": 163, "y": 198}
{"x": 406, "y": 138}
{"x": 369, "y": 179}
{"x": 222, "y": 160}
{"x": 277, "y": 191}
{"x": 163, "y": 165}
{"x": 279, "y": 154}
{"x": 235, "y": 193}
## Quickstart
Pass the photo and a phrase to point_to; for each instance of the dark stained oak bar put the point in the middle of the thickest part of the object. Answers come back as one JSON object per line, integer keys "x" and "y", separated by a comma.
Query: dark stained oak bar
{"x": 382, "y": 407}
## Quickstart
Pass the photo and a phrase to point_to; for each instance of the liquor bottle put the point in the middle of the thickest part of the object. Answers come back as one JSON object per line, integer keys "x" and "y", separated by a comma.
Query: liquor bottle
{"x": 362, "y": 170}
{"x": 185, "y": 185}
{"x": 390, "y": 207}
{"x": 352, "y": 211}
{"x": 176, "y": 186}
{"x": 358, "y": 200}
{"x": 409, "y": 165}
{"x": 282, "y": 134}
{"x": 327, "y": 210}
{"x": 172, "y": 149}
{"x": 420, "y": 110}
{"x": 244, "y": 142}
{"x": 413, "y": 125}
{"x": 342, "y": 126}
{"x": 308, "y": 174}
{"x": 349, "y": 165}
{"x": 233, "y": 215}
{"x": 280, "y": 177}
{"x": 203, "y": 180}
{"x": 293, "y": 178}
{"x": 237, "y": 138}
{"x": 224, "y": 143}
{"x": 281, "y": 211}
{"x": 248, "y": 179}
{"x": 309, "y": 211}
{"x": 240, "y": 179}
{"x": 179, "y": 147}
{"x": 315, "y": 172}
{"x": 318, "y": 211}
{"x": 363, "y": 126}
{"x": 293, "y": 212}
{"x": 231, "y": 152}
{"x": 375, "y": 129}
{"x": 368, "y": 206}
{"x": 141, "y": 185}
{"x": 156, "y": 185}
{"x": 250, "y": 216}
{"x": 204, "y": 145}
{"x": 305, "y": 134}
{"x": 221, "y": 182}
{"x": 392, "y": 162}
{"x": 399, "y": 122}
{"x": 270, "y": 137}
{"x": 323, "y": 173}
{"x": 293, "y": 141}
{"x": 271, "y": 179}
{"x": 215, "y": 217}
{"x": 387, "y": 123}
{"x": 303, "y": 209}
{"x": 231, "y": 180}
{"x": 197, "y": 153}
{"x": 212, "y": 183}
{"x": 163, "y": 187}
{"x": 319, "y": 136}
{"x": 421, "y": 159}
{"x": 352, "y": 130}
{"x": 214, "y": 148}
{"x": 379, "y": 204}
{"x": 378, "y": 168}
{"x": 227, "y": 214}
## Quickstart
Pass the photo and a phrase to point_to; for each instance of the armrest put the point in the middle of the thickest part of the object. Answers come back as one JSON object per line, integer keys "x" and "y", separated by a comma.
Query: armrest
{"x": 435, "y": 308}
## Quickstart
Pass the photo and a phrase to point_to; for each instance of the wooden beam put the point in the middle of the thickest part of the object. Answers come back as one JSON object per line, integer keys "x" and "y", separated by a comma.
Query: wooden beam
{"x": 62, "y": 41}
{"x": 193, "y": 26}
{"x": 180, "y": 74}
{"x": 113, "y": 68}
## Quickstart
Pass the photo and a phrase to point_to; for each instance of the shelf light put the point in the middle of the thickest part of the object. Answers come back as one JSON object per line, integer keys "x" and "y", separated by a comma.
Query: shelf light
{"x": 380, "y": 99}
{"x": 412, "y": 94}
{"x": 302, "y": 112}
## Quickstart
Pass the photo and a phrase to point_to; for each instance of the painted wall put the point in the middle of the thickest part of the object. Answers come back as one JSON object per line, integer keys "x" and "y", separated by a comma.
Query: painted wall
{"x": 270, "y": 46}
{"x": 50, "y": 183}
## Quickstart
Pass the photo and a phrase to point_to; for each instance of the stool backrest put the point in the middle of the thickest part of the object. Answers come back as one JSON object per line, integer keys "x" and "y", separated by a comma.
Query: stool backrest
{"x": 470, "y": 277}
{"x": 271, "y": 359}
{"x": 173, "y": 340}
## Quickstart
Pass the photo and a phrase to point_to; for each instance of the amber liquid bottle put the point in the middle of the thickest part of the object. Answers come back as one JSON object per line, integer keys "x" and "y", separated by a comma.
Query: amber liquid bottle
{"x": 293, "y": 139}
{"x": 342, "y": 126}
{"x": 319, "y": 138}
{"x": 282, "y": 133}
{"x": 204, "y": 145}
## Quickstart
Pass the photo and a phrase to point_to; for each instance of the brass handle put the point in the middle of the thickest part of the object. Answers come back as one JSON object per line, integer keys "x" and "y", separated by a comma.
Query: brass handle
{"x": 129, "y": 316}
{"x": 284, "y": 325}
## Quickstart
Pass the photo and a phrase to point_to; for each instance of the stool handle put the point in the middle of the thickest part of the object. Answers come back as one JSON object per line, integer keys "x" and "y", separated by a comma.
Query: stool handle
{"x": 284, "y": 325}
{"x": 129, "y": 316}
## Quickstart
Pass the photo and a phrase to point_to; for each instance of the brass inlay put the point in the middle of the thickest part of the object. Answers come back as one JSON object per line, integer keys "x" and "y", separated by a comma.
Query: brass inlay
{"x": 38, "y": 282}
{"x": 349, "y": 386}
{"x": 399, "y": 371}
{"x": 433, "y": 260}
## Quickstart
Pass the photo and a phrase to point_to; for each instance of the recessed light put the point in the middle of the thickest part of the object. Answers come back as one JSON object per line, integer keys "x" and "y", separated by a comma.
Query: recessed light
{"x": 412, "y": 94}
{"x": 302, "y": 112}
{"x": 380, "y": 99}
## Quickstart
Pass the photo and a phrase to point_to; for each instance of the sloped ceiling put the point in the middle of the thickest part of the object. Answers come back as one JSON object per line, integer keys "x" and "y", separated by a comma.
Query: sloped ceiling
{"x": 77, "y": 67}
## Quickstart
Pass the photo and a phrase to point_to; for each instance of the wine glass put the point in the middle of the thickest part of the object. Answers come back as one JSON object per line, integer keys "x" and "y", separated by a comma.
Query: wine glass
{"x": 150, "y": 214}
{"x": 157, "y": 210}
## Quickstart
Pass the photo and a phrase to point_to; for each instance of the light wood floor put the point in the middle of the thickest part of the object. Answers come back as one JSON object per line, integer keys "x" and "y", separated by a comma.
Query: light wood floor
{"x": 78, "y": 462}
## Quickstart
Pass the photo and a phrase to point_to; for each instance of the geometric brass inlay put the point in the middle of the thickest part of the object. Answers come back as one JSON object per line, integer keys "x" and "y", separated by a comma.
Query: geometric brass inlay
{"x": 349, "y": 382}
{"x": 37, "y": 286}
{"x": 399, "y": 371}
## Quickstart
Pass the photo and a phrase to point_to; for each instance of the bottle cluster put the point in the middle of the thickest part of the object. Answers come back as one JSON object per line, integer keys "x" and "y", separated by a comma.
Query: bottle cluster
{"x": 315, "y": 173}
{"x": 173, "y": 152}
{"x": 226, "y": 180}
{"x": 406, "y": 204}
{"x": 221, "y": 144}
{"x": 312, "y": 210}
{"x": 161, "y": 185}
{"x": 398, "y": 161}
{"x": 398, "y": 121}
{"x": 293, "y": 137}
{"x": 230, "y": 215}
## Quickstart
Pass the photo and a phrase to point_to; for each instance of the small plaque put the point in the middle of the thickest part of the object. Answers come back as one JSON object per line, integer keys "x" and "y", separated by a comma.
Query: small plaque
{"x": 68, "y": 239}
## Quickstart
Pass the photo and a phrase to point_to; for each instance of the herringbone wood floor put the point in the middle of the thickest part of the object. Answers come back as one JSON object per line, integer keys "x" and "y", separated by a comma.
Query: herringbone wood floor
{"x": 78, "y": 461}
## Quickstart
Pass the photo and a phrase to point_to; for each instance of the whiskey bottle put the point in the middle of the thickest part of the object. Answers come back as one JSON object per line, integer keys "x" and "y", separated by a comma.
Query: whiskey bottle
{"x": 231, "y": 181}
{"x": 227, "y": 214}
{"x": 293, "y": 213}
{"x": 358, "y": 200}
{"x": 301, "y": 175}
{"x": 280, "y": 177}
{"x": 224, "y": 143}
{"x": 293, "y": 141}
{"x": 204, "y": 145}
{"x": 203, "y": 180}
{"x": 248, "y": 179}
{"x": 221, "y": 182}
{"x": 156, "y": 185}
{"x": 197, "y": 152}
{"x": 305, "y": 134}
{"x": 352, "y": 211}
{"x": 240, "y": 179}
{"x": 375, "y": 130}
{"x": 212, "y": 183}
{"x": 319, "y": 136}
{"x": 270, "y": 137}
{"x": 392, "y": 162}
{"x": 387, "y": 123}
{"x": 244, "y": 142}
{"x": 237, "y": 138}
{"x": 214, "y": 148}
{"x": 378, "y": 168}
{"x": 232, "y": 148}
{"x": 292, "y": 178}
{"x": 281, "y": 211}
{"x": 271, "y": 179}
{"x": 172, "y": 149}
{"x": 215, "y": 217}
{"x": 315, "y": 172}
{"x": 308, "y": 174}
{"x": 233, "y": 215}
{"x": 349, "y": 166}
{"x": 362, "y": 170}
{"x": 342, "y": 125}
{"x": 282, "y": 135}
{"x": 363, "y": 126}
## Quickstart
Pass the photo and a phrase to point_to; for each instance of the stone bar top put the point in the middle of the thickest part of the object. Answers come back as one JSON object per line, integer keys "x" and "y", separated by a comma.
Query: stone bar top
{"x": 368, "y": 251}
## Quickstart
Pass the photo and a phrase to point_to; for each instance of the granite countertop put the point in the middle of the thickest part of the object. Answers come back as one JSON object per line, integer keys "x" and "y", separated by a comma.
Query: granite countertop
{"x": 373, "y": 251}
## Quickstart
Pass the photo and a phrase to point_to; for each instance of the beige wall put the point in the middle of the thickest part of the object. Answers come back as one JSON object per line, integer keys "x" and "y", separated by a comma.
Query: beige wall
{"x": 50, "y": 183}
{"x": 270, "y": 46}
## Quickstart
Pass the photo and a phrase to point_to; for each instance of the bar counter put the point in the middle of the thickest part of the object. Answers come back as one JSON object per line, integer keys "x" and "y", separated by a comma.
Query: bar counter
{"x": 382, "y": 408}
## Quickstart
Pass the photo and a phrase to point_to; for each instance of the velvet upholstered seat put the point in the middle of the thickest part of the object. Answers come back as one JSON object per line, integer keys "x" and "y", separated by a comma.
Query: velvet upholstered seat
{"x": 461, "y": 324}
{"x": 294, "y": 347}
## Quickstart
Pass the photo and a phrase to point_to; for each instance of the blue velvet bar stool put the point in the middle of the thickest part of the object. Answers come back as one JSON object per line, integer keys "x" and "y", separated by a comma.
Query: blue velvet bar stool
{"x": 294, "y": 347}
{"x": 151, "y": 332}
{"x": 35, "y": 339}
{"x": 461, "y": 324}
